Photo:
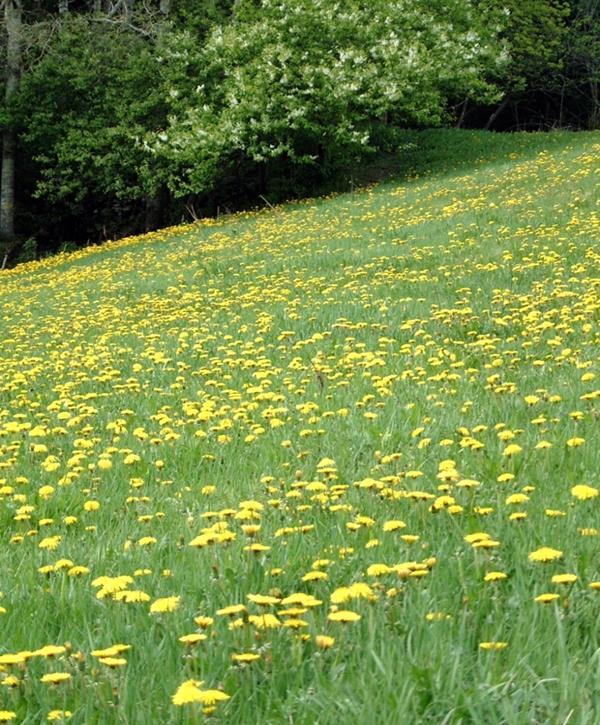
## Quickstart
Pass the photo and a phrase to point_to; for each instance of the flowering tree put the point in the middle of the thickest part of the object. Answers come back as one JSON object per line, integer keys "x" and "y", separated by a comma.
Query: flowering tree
{"x": 311, "y": 81}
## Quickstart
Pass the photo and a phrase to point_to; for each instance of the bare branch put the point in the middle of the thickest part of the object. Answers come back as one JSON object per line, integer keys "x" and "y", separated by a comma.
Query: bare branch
{"x": 124, "y": 24}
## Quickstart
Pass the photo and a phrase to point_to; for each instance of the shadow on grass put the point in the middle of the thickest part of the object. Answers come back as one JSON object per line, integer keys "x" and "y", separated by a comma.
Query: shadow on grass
{"x": 440, "y": 152}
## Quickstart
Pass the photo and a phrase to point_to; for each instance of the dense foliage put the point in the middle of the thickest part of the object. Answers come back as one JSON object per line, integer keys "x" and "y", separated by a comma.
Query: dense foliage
{"x": 129, "y": 115}
{"x": 304, "y": 83}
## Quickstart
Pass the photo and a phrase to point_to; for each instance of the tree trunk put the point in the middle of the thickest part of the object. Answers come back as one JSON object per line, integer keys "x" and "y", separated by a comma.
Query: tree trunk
{"x": 154, "y": 204}
{"x": 594, "y": 118}
{"x": 561, "y": 106}
{"x": 63, "y": 7}
{"x": 12, "y": 19}
{"x": 497, "y": 112}
{"x": 463, "y": 112}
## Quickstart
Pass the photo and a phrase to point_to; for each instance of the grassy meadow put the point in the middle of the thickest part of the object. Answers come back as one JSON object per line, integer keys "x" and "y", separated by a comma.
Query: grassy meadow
{"x": 332, "y": 462}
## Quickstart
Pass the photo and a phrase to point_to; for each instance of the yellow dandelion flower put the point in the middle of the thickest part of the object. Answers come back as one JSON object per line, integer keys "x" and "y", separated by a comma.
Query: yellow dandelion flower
{"x": 478, "y": 536}
{"x": 486, "y": 544}
{"x": 55, "y": 715}
{"x": 12, "y": 659}
{"x": 55, "y": 678}
{"x": 263, "y": 600}
{"x": 544, "y": 554}
{"x": 113, "y": 662}
{"x": 78, "y": 571}
{"x": 304, "y": 600}
{"x": 437, "y": 616}
{"x": 394, "y": 525}
{"x": 129, "y": 596}
{"x": 312, "y": 576}
{"x": 409, "y": 538}
{"x": 231, "y": 610}
{"x": 165, "y": 604}
{"x": 546, "y": 598}
{"x": 493, "y": 646}
{"x": 323, "y": 641}
{"x": 257, "y": 548}
{"x": 264, "y": 621}
{"x": 11, "y": 681}
{"x": 516, "y": 498}
{"x": 583, "y": 492}
{"x": 343, "y": 615}
{"x": 50, "y": 543}
{"x": 50, "y": 650}
{"x": 251, "y": 529}
{"x": 203, "y": 622}
{"x": 378, "y": 570}
{"x": 191, "y": 639}
{"x": 495, "y": 576}
{"x": 295, "y": 623}
{"x": 113, "y": 651}
{"x": 505, "y": 477}
{"x": 189, "y": 691}
{"x": 212, "y": 697}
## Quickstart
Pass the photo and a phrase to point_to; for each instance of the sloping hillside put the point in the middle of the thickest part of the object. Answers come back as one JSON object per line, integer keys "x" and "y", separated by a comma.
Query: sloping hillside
{"x": 330, "y": 462}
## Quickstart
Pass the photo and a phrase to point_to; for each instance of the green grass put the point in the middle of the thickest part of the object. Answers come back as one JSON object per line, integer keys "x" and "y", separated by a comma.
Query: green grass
{"x": 391, "y": 331}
